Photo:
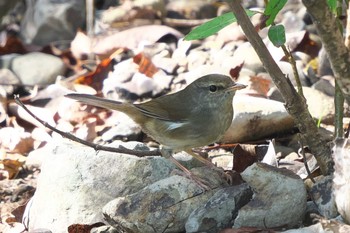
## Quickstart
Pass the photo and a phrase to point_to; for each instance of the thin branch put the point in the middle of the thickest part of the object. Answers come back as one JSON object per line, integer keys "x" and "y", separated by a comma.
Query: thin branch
{"x": 339, "y": 112}
{"x": 305, "y": 160}
{"x": 97, "y": 147}
{"x": 292, "y": 62}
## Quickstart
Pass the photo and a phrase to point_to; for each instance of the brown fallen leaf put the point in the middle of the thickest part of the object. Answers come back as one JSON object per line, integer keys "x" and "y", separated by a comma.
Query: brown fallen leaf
{"x": 11, "y": 44}
{"x": 234, "y": 72}
{"x": 83, "y": 228}
{"x": 12, "y": 167}
{"x": 95, "y": 78}
{"x": 146, "y": 66}
{"x": 243, "y": 157}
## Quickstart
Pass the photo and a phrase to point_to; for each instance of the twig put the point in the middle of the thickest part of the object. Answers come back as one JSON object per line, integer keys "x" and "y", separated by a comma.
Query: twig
{"x": 339, "y": 112}
{"x": 292, "y": 62}
{"x": 120, "y": 149}
{"x": 305, "y": 160}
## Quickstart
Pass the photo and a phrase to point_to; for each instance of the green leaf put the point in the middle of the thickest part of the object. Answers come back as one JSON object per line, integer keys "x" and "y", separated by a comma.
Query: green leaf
{"x": 277, "y": 35}
{"x": 332, "y": 4}
{"x": 273, "y": 7}
{"x": 213, "y": 26}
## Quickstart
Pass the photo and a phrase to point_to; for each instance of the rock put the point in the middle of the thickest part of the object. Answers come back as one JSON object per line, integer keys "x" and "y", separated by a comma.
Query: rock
{"x": 125, "y": 129}
{"x": 76, "y": 182}
{"x": 3, "y": 106}
{"x": 246, "y": 53}
{"x": 256, "y": 118}
{"x": 325, "y": 84}
{"x": 280, "y": 198}
{"x": 321, "y": 193}
{"x": 196, "y": 58}
{"x": 38, "y": 68}
{"x": 220, "y": 210}
{"x": 15, "y": 140}
{"x": 167, "y": 64}
{"x": 163, "y": 206}
{"x": 275, "y": 94}
{"x": 6, "y": 6}
{"x": 6, "y": 60}
{"x": 127, "y": 83}
{"x": 195, "y": 9}
{"x": 8, "y": 77}
{"x": 316, "y": 228}
{"x": 104, "y": 229}
{"x": 287, "y": 70}
{"x": 321, "y": 106}
{"x": 341, "y": 187}
{"x": 36, "y": 157}
{"x": 324, "y": 66}
{"x": 46, "y": 21}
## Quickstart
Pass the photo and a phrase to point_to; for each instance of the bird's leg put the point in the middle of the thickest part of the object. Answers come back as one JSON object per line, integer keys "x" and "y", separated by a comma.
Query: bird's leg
{"x": 167, "y": 153}
{"x": 225, "y": 176}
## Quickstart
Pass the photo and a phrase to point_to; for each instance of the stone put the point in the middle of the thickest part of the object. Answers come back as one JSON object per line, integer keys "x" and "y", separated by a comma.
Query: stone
{"x": 326, "y": 84}
{"x": 320, "y": 105}
{"x": 38, "y": 68}
{"x": 341, "y": 188}
{"x": 125, "y": 129}
{"x": 279, "y": 200}
{"x": 46, "y": 21}
{"x": 6, "y": 60}
{"x": 220, "y": 210}
{"x": 9, "y": 78}
{"x": 321, "y": 193}
{"x": 287, "y": 70}
{"x": 256, "y": 118}
{"x": 163, "y": 206}
{"x": 246, "y": 53}
{"x": 76, "y": 182}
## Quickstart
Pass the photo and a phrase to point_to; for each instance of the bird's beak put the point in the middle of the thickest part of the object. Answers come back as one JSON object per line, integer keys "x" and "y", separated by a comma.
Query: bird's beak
{"x": 237, "y": 86}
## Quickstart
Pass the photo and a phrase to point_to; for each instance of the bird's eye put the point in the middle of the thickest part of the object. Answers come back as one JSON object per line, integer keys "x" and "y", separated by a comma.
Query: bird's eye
{"x": 213, "y": 88}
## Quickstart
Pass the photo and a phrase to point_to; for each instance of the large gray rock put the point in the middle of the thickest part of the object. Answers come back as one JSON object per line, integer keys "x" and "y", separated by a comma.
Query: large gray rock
{"x": 76, "y": 182}
{"x": 38, "y": 68}
{"x": 280, "y": 199}
{"x": 46, "y": 21}
{"x": 163, "y": 206}
{"x": 220, "y": 210}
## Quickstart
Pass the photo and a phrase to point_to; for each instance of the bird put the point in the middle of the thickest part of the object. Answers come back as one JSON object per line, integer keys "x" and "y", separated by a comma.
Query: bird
{"x": 195, "y": 116}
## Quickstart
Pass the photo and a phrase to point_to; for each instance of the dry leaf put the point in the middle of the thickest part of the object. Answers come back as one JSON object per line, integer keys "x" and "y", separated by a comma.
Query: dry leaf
{"x": 257, "y": 85}
{"x": 243, "y": 157}
{"x": 146, "y": 66}
{"x": 95, "y": 79}
{"x": 16, "y": 140}
{"x": 83, "y": 228}
{"x": 12, "y": 167}
{"x": 11, "y": 44}
{"x": 234, "y": 72}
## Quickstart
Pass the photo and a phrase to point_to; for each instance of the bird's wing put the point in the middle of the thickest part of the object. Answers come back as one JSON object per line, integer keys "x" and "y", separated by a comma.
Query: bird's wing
{"x": 165, "y": 108}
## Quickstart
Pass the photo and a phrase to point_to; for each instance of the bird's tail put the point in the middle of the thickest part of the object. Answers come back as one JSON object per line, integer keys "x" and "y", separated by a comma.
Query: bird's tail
{"x": 98, "y": 102}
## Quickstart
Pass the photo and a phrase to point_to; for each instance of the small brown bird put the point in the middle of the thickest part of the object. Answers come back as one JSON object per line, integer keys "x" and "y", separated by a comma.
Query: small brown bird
{"x": 193, "y": 117}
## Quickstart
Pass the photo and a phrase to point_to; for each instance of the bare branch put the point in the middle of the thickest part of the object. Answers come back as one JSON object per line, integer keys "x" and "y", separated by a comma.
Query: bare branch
{"x": 121, "y": 149}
